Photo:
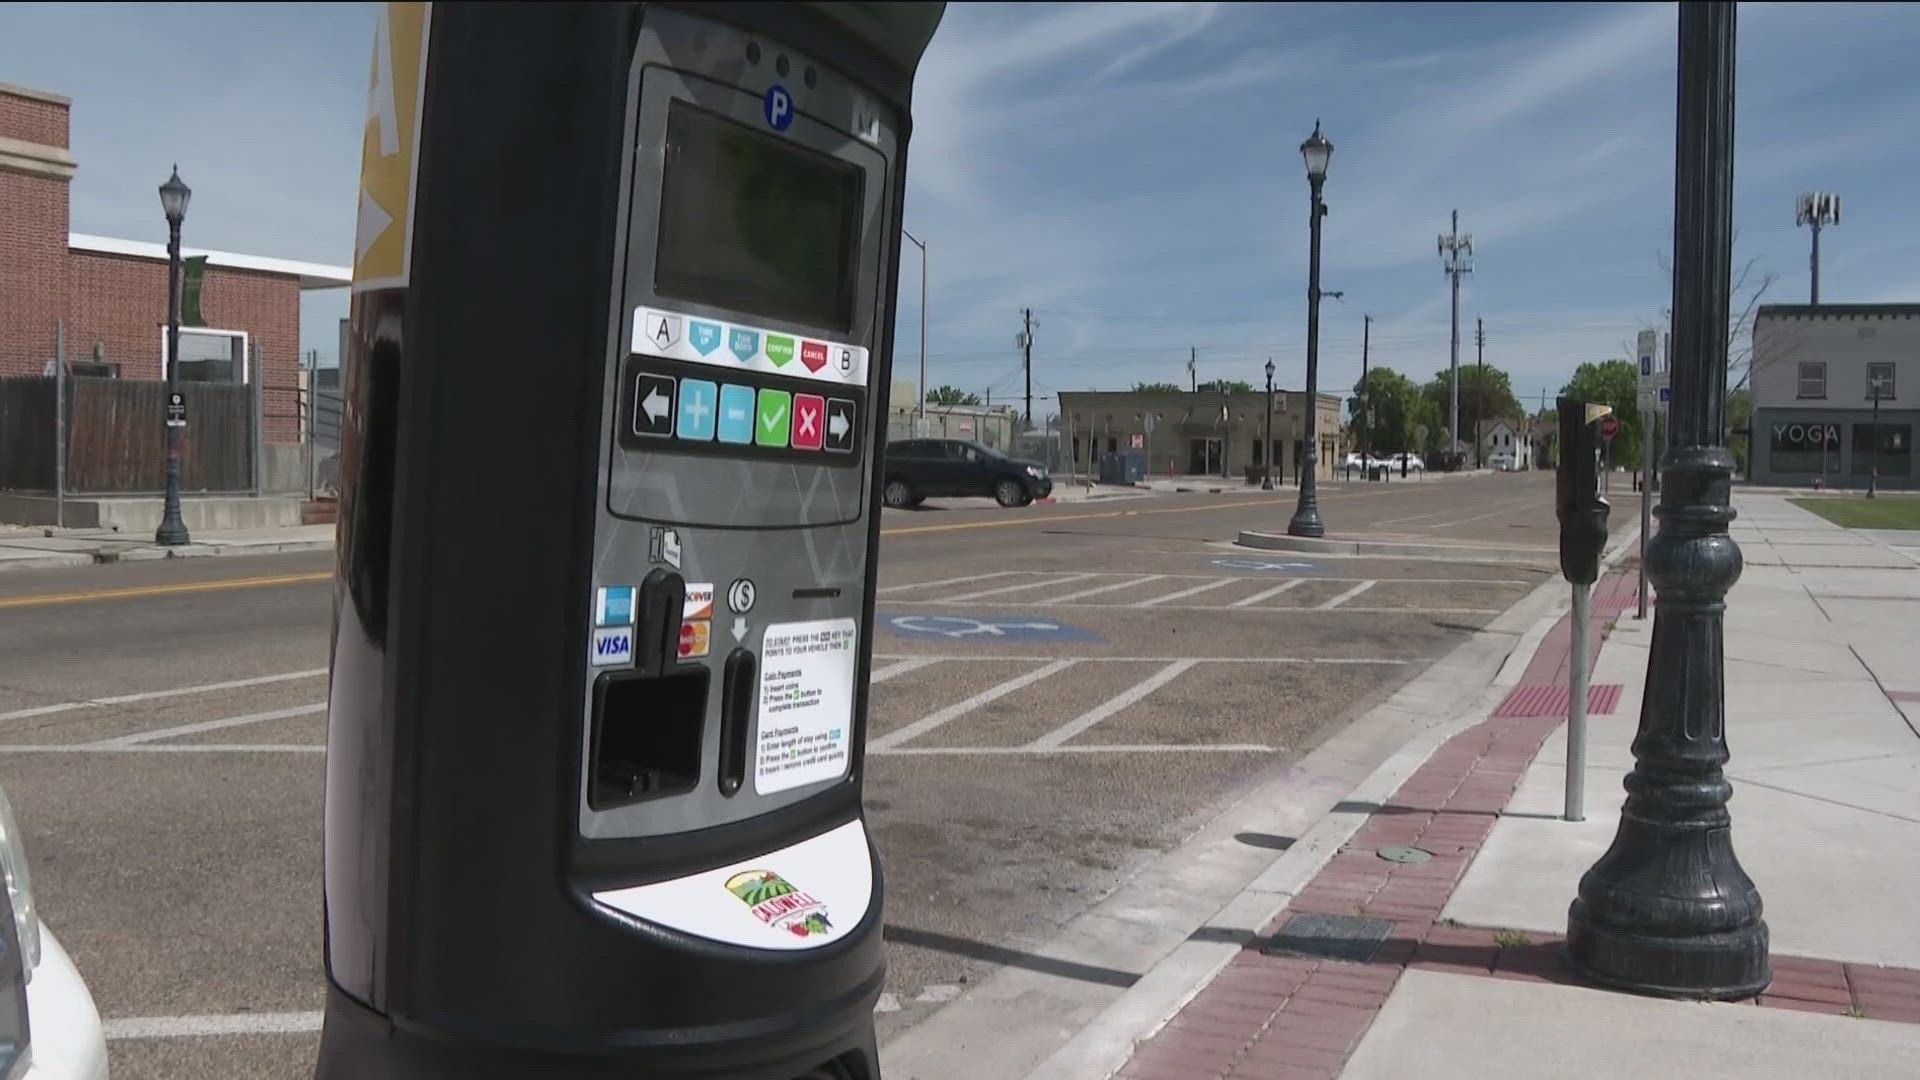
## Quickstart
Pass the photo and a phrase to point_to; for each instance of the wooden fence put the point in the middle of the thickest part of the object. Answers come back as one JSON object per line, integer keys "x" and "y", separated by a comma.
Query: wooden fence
{"x": 116, "y": 436}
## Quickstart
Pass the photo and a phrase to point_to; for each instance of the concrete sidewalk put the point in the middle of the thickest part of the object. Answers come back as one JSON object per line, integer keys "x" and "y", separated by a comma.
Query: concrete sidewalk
{"x": 1450, "y": 967}
{"x": 30, "y": 548}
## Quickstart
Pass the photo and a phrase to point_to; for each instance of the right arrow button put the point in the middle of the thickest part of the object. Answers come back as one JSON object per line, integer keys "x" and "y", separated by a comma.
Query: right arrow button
{"x": 841, "y": 416}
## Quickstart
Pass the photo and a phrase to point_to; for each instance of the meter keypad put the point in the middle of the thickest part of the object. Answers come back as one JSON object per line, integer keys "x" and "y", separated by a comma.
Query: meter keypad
{"x": 670, "y": 406}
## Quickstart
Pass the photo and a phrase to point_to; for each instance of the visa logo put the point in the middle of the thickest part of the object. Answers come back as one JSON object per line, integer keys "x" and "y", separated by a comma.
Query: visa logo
{"x": 611, "y": 645}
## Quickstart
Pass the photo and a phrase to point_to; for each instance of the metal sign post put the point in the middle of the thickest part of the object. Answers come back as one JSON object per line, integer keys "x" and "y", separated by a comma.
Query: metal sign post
{"x": 1577, "y": 704}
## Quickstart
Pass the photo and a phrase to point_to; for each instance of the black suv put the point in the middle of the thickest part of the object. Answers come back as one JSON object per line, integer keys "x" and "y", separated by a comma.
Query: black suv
{"x": 918, "y": 468}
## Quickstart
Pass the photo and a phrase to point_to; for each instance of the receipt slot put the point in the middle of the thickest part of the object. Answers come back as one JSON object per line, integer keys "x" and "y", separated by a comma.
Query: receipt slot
{"x": 615, "y": 386}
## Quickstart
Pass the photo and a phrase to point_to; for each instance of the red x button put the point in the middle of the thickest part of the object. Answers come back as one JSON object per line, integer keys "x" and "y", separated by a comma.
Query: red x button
{"x": 809, "y": 421}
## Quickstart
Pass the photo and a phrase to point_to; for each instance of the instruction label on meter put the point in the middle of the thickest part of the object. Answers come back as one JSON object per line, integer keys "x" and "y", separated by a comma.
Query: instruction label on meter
{"x": 806, "y": 703}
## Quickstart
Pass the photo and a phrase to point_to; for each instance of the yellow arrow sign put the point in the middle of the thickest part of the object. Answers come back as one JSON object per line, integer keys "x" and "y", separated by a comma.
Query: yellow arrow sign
{"x": 383, "y": 236}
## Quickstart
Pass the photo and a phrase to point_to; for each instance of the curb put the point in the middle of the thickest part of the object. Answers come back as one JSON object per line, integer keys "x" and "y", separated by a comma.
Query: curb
{"x": 150, "y": 553}
{"x": 1105, "y": 1046}
{"x": 1263, "y": 541}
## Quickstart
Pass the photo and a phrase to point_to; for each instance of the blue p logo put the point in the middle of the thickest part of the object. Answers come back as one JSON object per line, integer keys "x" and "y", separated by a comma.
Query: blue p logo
{"x": 779, "y": 107}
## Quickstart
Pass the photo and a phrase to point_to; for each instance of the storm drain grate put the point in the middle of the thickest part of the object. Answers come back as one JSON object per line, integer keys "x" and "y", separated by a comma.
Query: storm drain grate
{"x": 1332, "y": 937}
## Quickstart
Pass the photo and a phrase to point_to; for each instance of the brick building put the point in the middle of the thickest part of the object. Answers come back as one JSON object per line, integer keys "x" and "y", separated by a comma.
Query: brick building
{"x": 111, "y": 294}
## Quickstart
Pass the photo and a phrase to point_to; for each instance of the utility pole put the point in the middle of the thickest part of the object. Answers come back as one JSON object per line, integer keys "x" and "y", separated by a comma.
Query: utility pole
{"x": 1193, "y": 376}
{"x": 1026, "y": 342}
{"x": 1456, "y": 251}
{"x": 1366, "y": 403}
{"x": 1817, "y": 208}
{"x": 1480, "y": 390}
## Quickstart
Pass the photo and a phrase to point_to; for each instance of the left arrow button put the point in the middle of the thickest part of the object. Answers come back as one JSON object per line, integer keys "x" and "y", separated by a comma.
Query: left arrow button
{"x": 652, "y": 408}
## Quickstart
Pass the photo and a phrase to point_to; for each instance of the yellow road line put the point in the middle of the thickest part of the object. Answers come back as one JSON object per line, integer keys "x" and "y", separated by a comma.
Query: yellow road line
{"x": 162, "y": 590}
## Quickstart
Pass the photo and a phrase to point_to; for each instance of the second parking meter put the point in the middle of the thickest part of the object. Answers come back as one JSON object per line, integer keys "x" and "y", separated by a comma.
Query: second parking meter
{"x": 620, "y": 341}
{"x": 1581, "y": 507}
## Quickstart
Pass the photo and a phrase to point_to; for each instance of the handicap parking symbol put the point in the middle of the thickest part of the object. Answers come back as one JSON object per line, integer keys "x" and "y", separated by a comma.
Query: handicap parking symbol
{"x": 1267, "y": 564}
{"x": 985, "y": 628}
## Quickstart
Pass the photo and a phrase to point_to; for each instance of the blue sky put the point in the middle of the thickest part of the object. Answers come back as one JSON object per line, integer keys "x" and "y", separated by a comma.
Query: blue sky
{"x": 1130, "y": 171}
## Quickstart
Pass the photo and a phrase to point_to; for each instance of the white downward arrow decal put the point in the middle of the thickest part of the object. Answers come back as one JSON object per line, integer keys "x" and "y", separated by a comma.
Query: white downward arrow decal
{"x": 656, "y": 404}
{"x": 739, "y": 629}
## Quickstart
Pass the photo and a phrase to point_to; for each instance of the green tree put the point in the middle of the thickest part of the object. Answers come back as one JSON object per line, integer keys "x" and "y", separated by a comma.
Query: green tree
{"x": 1615, "y": 383}
{"x": 1739, "y": 425}
{"x": 1392, "y": 413}
{"x": 951, "y": 395}
{"x": 1227, "y": 386}
{"x": 1158, "y": 388}
{"x": 1486, "y": 393}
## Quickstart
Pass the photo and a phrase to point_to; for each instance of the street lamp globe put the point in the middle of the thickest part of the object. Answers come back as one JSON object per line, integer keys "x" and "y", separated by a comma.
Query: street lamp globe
{"x": 1269, "y": 371}
{"x": 1317, "y": 151}
{"x": 173, "y": 197}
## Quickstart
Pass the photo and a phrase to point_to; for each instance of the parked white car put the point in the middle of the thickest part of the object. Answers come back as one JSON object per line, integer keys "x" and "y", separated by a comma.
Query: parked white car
{"x": 47, "y": 1015}
{"x": 1411, "y": 463}
{"x": 1501, "y": 461}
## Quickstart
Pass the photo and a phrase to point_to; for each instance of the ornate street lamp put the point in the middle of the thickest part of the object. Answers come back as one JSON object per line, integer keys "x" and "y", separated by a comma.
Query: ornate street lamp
{"x": 1668, "y": 910}
{"x": 173, "y": 202}
{"x": 1316, "y": 151}
{"x": 1266, "y": 474}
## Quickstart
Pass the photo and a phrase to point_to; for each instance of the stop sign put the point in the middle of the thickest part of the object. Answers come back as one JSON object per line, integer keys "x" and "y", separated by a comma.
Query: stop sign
{"x": 1609, "y": 427}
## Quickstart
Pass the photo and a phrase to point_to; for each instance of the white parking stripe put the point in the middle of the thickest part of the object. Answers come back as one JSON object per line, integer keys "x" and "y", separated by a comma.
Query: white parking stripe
{"x": 901, "y": 668}
{"x": 1063, "y": 579}
{"x": 1001, "y": 658}
{"x": 163, "y": 748}
{"x": 1111, "y": 748}
{"x": 1346, "y": 596}
{"x": 1098, "y": 589}
{"x": 1110, "y": 706}
{"x": 951, "y": 581}
{"x": 208, "y": 725}
{"x": 191, "y": 1027}
{"x": 1275, "y": 591}
{"x": 152, "y": 695}
{"x": 961, "y": 708}
{"x": 1214, "y": 584}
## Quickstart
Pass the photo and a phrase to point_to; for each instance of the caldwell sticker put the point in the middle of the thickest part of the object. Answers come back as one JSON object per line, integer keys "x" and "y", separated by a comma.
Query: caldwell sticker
{"x": 774, "y": 901}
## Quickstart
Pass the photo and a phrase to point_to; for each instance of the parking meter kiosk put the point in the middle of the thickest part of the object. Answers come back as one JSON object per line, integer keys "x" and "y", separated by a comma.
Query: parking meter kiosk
{"x": 619, "y": 345}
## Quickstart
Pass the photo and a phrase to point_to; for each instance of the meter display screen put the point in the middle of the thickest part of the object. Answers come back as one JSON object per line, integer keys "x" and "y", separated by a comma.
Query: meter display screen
{"x": 755, "y": 223}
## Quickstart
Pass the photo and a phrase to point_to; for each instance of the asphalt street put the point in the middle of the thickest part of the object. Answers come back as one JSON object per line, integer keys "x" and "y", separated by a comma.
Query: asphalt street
{"x": 1063, "y": 693}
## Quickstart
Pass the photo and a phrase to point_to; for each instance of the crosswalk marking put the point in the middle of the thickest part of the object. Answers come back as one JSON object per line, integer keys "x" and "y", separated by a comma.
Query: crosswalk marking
{"x": 960, "y": 708}
{"x": 1098, "y": 589}
{"x": 1275, "y": 591}
{"x": 1183, "y": 593}
{"x": 1067, "y": 579}
{"x": 1346, "y": 596}
{"x": 1110, "y": 706}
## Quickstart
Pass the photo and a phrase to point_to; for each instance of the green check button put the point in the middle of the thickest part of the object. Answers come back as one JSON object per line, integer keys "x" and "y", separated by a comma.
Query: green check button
{"x": 772, "y": 418}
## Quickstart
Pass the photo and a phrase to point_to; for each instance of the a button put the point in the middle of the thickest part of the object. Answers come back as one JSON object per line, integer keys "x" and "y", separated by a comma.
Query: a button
{"x": 698, "y": 399}
{"x": 736, "y": 414}
{"x": 808, "y": 420}
{"x": 772, "y": 419}
{"x": 653, "y": 405}
{"x": 841, "y": 416}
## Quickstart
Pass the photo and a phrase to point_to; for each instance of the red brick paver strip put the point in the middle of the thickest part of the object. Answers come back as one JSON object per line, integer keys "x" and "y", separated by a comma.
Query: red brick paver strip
{"x": 1297, "y": 1017}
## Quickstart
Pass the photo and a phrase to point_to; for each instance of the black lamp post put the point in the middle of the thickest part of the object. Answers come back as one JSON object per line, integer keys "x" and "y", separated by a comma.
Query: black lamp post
{"x": 1266, "y": 474}
{"x": 173, "y": 200}
{"x": 1306, "y": 517}
{"x": 1875, "y": 383}
{"x": 1668, "y": 910}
